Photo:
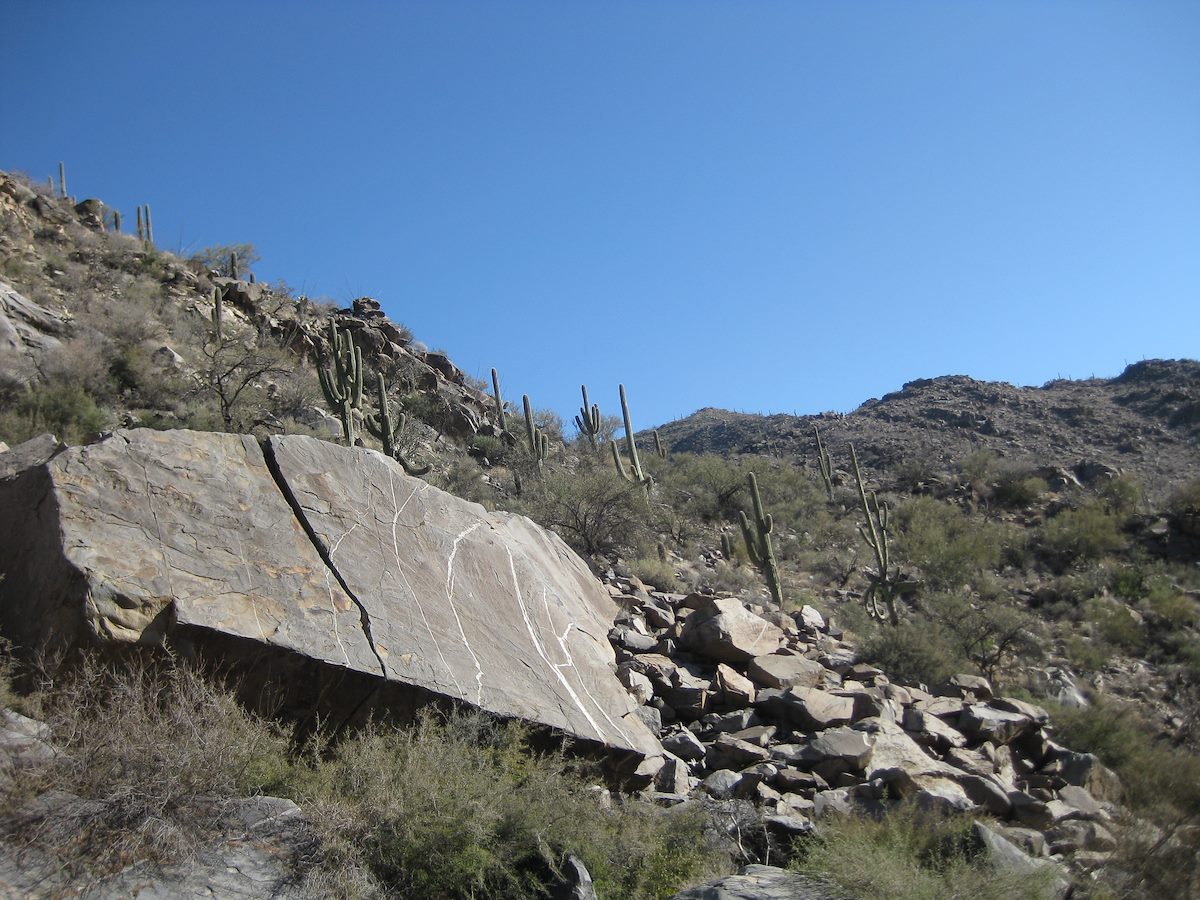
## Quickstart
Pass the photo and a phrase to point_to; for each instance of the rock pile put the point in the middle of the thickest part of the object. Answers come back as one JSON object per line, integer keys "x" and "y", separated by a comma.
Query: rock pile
{"x": 772, "y": 708}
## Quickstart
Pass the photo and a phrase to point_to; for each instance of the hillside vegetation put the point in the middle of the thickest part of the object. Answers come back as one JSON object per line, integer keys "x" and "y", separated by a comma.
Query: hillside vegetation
{"x": 1047, "y": 539}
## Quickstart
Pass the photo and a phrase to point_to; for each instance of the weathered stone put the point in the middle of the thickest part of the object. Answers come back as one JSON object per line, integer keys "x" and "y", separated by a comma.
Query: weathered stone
{"x": 33, "y": 452}
{"x": 576, "y": 883}
{"x": 785, "y": 671}
{"x": 810, "y": 618}
{"x": 736, "y": 690}
{"x": 1005, "y": 856}
{"x": 1086, "y": 771}
{"x": 270, "y": 835}
{"x": 673, "y": 777}
{"x": 311, "y": 555}
{"x": 976, "y": 686}
{"x": 759, "y": 735}
{"x": 1072, "y": 835}
{"x": 636, "y": 683}
{"x": 987, "y": 793}
{"x": 932, "y": 730}
{"x": 727, "y": 752}
{"x": 761, "y": 883}
{"x": 845, "y": 744}
{"x": 820, "y": 709}
{"x": 685, "y": 745}
{"x": 981, "y": 722}
{"x": 724, "y": 630}
{"x": 721, "y": 784}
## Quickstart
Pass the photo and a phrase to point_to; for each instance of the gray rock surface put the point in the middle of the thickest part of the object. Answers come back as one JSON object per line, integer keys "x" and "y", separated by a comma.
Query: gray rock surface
{"x": 328, "y": 552}
{"x": 260, "y": 851}
{"x": 761, "y": 883}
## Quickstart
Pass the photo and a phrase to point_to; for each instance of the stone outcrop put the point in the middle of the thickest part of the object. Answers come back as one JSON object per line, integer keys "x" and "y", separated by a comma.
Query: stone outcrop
{"x": 837, "y": 737}
{"x": 323, "y": 572}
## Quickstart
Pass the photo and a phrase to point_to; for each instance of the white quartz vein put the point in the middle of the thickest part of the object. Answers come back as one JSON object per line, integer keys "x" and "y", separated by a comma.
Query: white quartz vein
{"x": 541, "y": 651}
{"x": 400, "y": 572}
{"x": 570, "y": 663}
{"x": 450, "y": 599}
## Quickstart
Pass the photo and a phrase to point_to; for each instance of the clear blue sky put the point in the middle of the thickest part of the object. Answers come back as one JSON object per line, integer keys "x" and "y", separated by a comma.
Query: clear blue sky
{"x": 756, "y": 205}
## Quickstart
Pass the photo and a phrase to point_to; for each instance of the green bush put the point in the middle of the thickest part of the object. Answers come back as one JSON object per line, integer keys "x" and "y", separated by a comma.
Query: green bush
{"x": 66, "y": 410}
{"x": 460, "y": 808}
{"x": 1080, "y": 534}
{"x": 951, "y": 548}
{"x": 593, "y": 509}
{"x": 911, "y": 854}
{"x": 915, "y": 653}
{"x": 1161, "y": 784}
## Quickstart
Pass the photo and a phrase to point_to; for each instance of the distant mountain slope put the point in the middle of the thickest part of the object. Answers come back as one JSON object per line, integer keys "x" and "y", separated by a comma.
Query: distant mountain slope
{"x": 1146, "y": 421}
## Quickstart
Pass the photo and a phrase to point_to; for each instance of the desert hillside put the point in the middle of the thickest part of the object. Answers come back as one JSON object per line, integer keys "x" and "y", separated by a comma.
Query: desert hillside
{"x": 293, "y": 606}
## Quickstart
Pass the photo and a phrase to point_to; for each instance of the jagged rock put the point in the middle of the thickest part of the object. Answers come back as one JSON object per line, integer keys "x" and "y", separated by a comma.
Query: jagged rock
{"x": 721, "y": 784}
{"x": 1071, "y": 835}
{"x": 988, "y": 723}
{"x": 1005, "y": 856}
{"x": 1086, "y": 771}
{"x": 685, "y": 745}
{"x": 33, "y": 452}
{"x": 761, "y": 883}
{"x": 256, "y": 854}
{"x": 784, "y": 671}
{"x": 933, "y": 731}
{"x": 26, "y": 328}
{"x": 736, "y": 690}
{"x": 306, "y": 566}
{"x": 727, "y": 752}
{"x": 636, "y": 683}
{"x": 810, "y": 618}
{"x": 673, "y": 777}
{"x": 853, "y": 748}
{"x": 974, "y": 685}
{"x": 724, "y": 630}
{"x": 576, "y": 883}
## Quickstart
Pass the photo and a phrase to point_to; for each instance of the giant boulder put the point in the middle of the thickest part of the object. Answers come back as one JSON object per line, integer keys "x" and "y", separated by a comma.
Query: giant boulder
{"x": 323, "y": 574}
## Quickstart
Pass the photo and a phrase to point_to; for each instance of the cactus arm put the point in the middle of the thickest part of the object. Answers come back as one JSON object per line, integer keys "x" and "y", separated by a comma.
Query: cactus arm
{"x": 499, "y": 400}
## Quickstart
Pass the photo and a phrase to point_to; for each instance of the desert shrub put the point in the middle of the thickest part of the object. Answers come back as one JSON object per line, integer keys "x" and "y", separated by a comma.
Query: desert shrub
{"x": 594, "y": 509}
{"x": 915, "y": 652}
{"x": 1116, "y": 624}
{"x": 949, "y": 547}
{"x": 703, "y": 486}
{"x": 460, "y": 808}
{"x": 154, "y": 744}
{"x": 1121, "y": 495}
{"x": 911, "y": 854}
{"x": 66, "y": 410}
{"x": 1079, "y": 534}
{"x": 494, "y": 449}
{"x": 1184, "y": 506}
{"x": 1016, "y": 488}
{"x": 655, "y": 572}
{"x": 1160, "y": 783}
{"x": 989, "y": 631}
{"x": 216, "y": 258}
{"x": 464, "y": 479}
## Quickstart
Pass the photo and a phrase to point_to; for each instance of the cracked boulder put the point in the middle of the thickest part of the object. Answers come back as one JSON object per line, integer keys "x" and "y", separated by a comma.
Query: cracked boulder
{"x": 320, "y": 574}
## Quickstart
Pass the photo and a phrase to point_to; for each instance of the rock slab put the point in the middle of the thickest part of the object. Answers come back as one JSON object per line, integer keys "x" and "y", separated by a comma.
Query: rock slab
{"x": 306, "y": 547}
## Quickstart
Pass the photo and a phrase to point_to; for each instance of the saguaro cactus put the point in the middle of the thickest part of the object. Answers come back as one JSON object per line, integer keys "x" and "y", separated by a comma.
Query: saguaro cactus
{"x": 218, "y": 313}
{"x": 659, "y": 447}
{"x": 588, "y": 420}
{"x": 758, "y": 542}
{"x": 825, "y": 464}
{"x": 886, "y": 584}
{"x": 382, "y": 427}
{"x": 727, "y": 548}
{"x": 635, "y": 473}
{"x": 342, "y": 386}
{"x": 499, "y": 400}
{"x": 62, "y": 180}
{"x": 538, "y": 443}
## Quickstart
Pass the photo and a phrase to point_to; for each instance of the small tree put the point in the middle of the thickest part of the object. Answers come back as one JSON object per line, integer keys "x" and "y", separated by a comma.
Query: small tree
{"x": 219, "y": 258}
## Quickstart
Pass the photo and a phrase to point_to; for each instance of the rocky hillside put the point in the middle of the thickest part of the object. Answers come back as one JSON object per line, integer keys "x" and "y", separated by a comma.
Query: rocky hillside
{"x": 998, "y": 620}
{"x": 1146, "y": 422}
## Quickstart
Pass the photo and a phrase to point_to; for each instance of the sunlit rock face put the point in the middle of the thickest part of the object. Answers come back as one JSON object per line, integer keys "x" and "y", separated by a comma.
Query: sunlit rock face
{"x": 305, "y": 553}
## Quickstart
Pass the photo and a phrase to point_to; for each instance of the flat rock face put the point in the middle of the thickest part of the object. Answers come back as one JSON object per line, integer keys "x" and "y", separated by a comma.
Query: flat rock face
{"x": 328, "y": 552}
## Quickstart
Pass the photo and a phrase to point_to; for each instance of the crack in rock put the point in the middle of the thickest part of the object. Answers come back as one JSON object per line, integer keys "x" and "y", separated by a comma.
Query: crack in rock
{"x": 325, "y": 553}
